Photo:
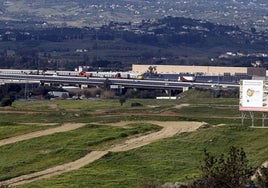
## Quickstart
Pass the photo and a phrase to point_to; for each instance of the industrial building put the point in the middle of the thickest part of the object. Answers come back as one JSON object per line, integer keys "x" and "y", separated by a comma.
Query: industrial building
{"x": 203, "y": 70}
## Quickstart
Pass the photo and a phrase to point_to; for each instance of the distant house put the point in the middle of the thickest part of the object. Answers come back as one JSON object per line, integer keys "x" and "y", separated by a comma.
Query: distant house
{"x": 59, "y": 94}
{"x": 10, "y": 53}
{"x": 81, "y": 50}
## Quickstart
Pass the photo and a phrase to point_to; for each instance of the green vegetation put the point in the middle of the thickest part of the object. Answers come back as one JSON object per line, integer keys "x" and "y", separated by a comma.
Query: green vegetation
{"x": 8, "y": 93}
{"x": 175, "y": 159}
{"x": 40, "y": 153}
{"x": 93, "y": 111}
{"x": 8, "y": 129}
{"x": 170, "y": 160}
{"x": 224, "y": 172}
{"x": 116, "y": 46}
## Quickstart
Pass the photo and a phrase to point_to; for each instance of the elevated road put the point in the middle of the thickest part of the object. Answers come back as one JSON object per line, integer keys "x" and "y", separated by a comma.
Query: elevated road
{"x": 128, "y": 83}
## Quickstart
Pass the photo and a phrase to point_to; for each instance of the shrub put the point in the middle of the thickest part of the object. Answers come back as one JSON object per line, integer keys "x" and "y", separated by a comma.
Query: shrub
{"x": 107, "y": 95}
{"x": 122, "y": 100}
{"x": 135, "y": 104}
{"x": 6, "y": 102}
{"x": 232, "y": 171}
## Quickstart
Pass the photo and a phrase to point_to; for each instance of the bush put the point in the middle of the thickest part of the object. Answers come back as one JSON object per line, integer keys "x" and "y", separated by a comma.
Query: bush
{"x": 91, "y": 92}
{"x": 135, "y": 104}
{"x": 231, "y": 171}
{"x": 6, "y": 102}
{"x": 107, "y": 95}
{"x": 122, "y": 100}
{"x": 143, "y": 93}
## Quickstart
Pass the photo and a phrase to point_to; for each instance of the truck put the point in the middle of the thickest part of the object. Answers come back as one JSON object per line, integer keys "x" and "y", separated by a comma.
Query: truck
{"x": 186, "y": 78}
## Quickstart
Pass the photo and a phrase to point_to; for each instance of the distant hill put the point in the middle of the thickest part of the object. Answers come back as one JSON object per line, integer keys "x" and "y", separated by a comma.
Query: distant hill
{"x": 117, "y": 45}
{"x": 244, "y": 13}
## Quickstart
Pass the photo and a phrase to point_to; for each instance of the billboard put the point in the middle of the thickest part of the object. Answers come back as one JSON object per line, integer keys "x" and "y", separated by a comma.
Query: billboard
{"x": 253, "y": 95}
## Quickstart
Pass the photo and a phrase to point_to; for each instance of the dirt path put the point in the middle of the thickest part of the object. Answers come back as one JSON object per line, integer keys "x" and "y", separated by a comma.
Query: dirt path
{"x": 169, "y": 129}
{"x": 57, "y": 170}
{"x": 64, "y": 128}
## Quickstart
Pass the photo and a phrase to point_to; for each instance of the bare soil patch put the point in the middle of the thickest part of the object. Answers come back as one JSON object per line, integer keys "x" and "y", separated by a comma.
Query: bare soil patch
{"x": 53, "y": 106}
{"x": 181, "y": 105}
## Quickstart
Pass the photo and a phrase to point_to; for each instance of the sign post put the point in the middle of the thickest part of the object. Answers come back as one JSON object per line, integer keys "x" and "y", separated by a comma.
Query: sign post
{"x": 253, "y": 98}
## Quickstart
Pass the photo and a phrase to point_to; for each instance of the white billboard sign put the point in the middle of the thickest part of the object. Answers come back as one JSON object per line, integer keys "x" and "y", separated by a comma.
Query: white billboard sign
{"x": 253, "y": 95}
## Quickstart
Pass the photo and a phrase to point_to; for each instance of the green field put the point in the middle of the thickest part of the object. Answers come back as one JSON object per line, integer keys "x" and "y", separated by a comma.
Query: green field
{"x": 175, "y": 159}
{"x": 171, "y": 160}
{"x": 40, "y": 153}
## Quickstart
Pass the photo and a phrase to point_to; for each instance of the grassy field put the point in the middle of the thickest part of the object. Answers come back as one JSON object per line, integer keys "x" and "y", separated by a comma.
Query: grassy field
{"x": 111, "y": 111}
{"x": 40, "y": 153}
{"x": 8, "y": 129}
{"x": 169, "y": 160}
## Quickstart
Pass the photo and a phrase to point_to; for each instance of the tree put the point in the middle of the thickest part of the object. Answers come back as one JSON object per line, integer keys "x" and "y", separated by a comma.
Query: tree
{"x": 10, "y": 91}
{"x": 229, "y": 172}
{"x": 6, "y": 102}
{"x": 151, "y": 70}
{"x": 122, "y": 100}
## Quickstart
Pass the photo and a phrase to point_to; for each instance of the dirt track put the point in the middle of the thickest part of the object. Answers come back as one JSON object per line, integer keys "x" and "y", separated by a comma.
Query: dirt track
{"x": 64, "y": 128}
{"x": 169, "y": 129}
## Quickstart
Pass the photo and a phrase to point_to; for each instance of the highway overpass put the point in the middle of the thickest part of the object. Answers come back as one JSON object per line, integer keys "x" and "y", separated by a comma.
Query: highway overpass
{"x": 125, "y": 83}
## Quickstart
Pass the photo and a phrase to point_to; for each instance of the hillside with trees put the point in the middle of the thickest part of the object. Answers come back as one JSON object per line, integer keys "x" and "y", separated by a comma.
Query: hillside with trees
{"x": 159, "y": 41}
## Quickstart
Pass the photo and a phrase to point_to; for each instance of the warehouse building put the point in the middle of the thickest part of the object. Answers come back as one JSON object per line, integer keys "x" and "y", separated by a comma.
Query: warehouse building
{"x": 202, "y": 70}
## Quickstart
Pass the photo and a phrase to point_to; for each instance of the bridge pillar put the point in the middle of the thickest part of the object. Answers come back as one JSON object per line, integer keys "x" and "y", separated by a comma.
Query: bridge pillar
{"x": 45, "y": 84}
{"x": 185, "y": 89}
{"x": 82, "y": 86}
{"x": 119, "y": 88}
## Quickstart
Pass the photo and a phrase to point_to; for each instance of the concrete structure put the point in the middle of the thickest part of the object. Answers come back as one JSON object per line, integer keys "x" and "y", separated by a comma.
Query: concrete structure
{"x": 207, "y": 70}
{"x": 58, "y": 94}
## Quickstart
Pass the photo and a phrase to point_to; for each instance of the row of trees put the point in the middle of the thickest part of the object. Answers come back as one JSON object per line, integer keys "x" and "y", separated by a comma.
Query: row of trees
{"x": 11, "y": 92}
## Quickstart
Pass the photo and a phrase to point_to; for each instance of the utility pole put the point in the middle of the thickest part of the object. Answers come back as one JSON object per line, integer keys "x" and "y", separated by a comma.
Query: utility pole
{"x": 26, "y": 88}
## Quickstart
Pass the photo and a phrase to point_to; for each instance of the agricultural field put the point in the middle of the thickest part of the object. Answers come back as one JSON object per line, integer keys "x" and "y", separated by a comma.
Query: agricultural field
{"x": 99, "y": 143}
